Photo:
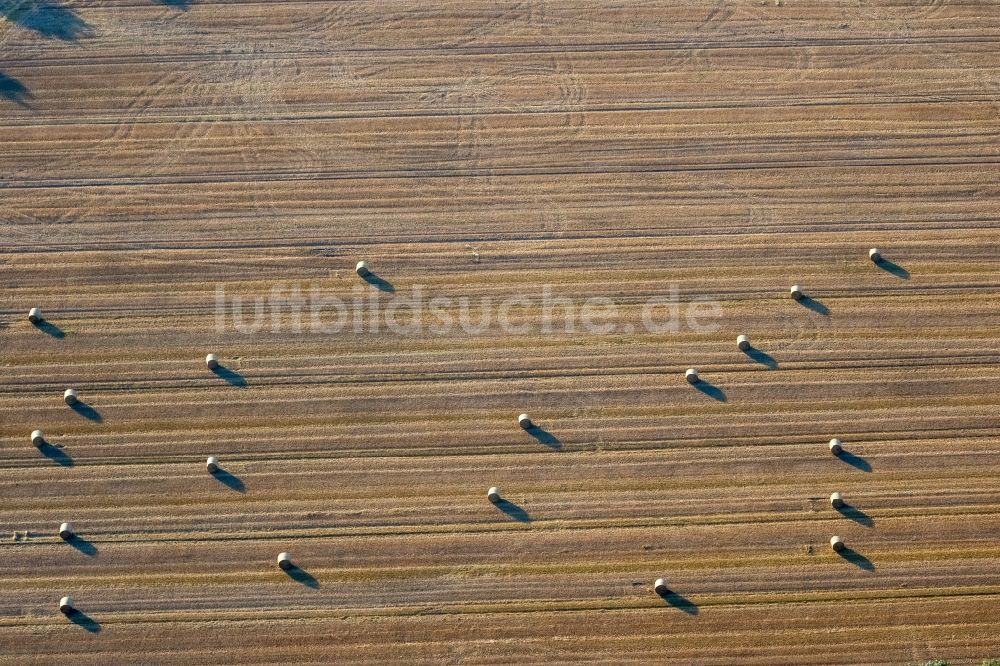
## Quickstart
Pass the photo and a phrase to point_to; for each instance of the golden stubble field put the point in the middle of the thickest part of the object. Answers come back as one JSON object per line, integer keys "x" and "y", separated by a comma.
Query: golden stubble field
{"x": 160, "y": 157}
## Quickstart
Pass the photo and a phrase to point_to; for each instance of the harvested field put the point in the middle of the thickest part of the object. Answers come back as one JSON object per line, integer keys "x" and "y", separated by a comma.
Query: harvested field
{"x": 168, "y": 166}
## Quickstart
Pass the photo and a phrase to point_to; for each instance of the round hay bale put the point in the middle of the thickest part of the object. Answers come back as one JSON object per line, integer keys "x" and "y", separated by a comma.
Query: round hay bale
{"x": 743, "y": 342}
{"x": 837, "y": 544}
{"x": 836, "y": 448}
{"x": 66, "y": 531}
{"x": 493, "y": 494}
{"x": 37, "y": 437}
{"x": 875, "y": 255}
{"x": 362, "y": 269}
{"x": 660, "y": 586}
{"x": 525, "y": 422}
{"x": 212, "y": 361}
{"x": 34, "y": 315}
{"x": 796, "y": 292}
{"x": 66, "y": 605}
{"x": 70, "y": 397}
{"x": 691, "y": 375}
{"x": 284, "y": 561}
{"x": 837, "y": 500}
{"x": 212, "y": 465}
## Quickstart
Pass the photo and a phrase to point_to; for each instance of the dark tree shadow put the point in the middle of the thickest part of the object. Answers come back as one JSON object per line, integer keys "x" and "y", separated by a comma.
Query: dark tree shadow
{"x": 855, "y": 461}
{"x": 86, "y": 411}
{"x": 56, "y": 455}
{"x": 857, "y": 559}
{"x": 712, "y": 391}
{"x": 231, "y": 481}
{"x": 680, "y": 602}
{"x": 814, "y": 305}
{"x": 379, "y": 283}
{"x": 893, "y": 269}
{"x": 230, "y": 376}
{"x": 761, "y": 357}
{"x": 78, "y": 617}
{"x": 47, "y": 327}
{"x": 13, "y": 90}
{"x": 514, "y": 511}
{"x": 302, "y": 576}
{"x": 49, "y": 18}
{"x": 543, "y": 436}
{"x": 857, "y": 515}
{"x": 82, "y": 545}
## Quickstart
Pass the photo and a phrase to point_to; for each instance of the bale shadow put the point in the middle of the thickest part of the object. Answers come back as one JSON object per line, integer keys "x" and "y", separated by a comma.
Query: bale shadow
{"x": 56, "y": 454}
{"x": 182, "y": 5}
{"x": 379, "y": 283}
{"x": 857, "y": 515}
{"x": 893, "y": 268}
{"x": 82, "y": 545}
{"x": 514, "y": 511}
{"x": 229, "y": 480}
{"x": 758, "y": 356}
{"x": 857, "y": 559}
{"x": 14, "y": 91}
{"x": 87, "y": 411}
{"x": 814, "y": 305}
{"x": 302, "y": 576}
{"x": 542, "y": 436}
{"x": 230, "y": 376}
{"x": 49, "y": 18}
{"x": 679, "y": 601}
{"x": 855, "y": 461}
{"x": 47, "y": 327}
{"x": 79, "y": 618}
{"x": 712, "y": 391}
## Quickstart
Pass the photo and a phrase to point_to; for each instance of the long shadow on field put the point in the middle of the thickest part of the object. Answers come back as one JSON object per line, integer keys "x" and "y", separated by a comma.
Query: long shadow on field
{"x": 48, "y": 328}
{"x": 814, "y": 305}
{"x": 712, "y": 391}
{"x": 49, "y": 18}
{"x": 230, "y": 376}
{"x": 857, "y": 559}
{"x": 543, "y": 436}
{"x": 229, "y": 480}
{"x": 855, "y": 461}
{"x": 758, "y": 356}
{"x": 514, "y": 511}
{"x": 302, "y": 576}
{"x": 56, "y": 455}
{"x": 893, "y": 269}
{"x": 82, "y": 545}
{"x": 182, "y": 5}
{"x": 680, "y": 602}
{"x": 13, "y": 90}
{"x": 87, "y": 411}
{"x": 379, "y": 283}
{"x": 79, "y": 618}
{"x": 857, "y": 515}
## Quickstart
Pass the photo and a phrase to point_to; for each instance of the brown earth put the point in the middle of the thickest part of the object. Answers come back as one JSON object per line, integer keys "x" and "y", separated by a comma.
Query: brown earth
{"x": 157, "y": 151}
